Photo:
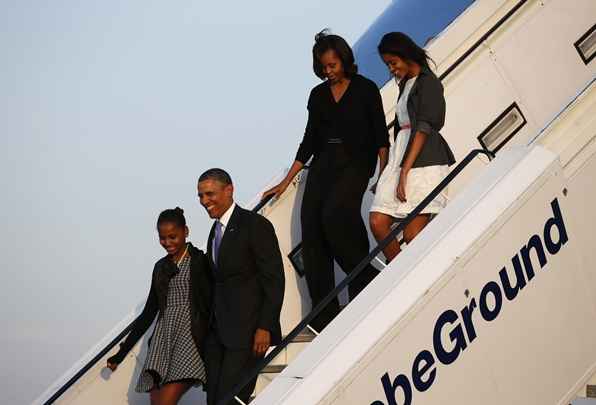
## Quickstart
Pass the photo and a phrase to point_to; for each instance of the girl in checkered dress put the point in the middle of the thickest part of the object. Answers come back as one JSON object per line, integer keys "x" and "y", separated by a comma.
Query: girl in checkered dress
{"x": 180, "y": 298}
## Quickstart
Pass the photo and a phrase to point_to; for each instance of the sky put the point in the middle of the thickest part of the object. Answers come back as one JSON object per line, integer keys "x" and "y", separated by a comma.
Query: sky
{"x": 109, "y": 111}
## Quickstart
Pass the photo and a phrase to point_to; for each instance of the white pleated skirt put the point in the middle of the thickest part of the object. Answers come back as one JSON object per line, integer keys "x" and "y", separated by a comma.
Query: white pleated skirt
{"x": 419, "y": 183}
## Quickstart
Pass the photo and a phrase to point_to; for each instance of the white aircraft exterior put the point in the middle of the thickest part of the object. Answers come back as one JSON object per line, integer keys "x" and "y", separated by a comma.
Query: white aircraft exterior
{"x": 495, "y": 301}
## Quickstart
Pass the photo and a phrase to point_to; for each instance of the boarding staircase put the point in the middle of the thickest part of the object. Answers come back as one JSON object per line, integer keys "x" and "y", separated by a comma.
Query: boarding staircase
{"x": 81, "y": 389}
{"x": 309, "y": 365}
{"x": 277, "y": 360}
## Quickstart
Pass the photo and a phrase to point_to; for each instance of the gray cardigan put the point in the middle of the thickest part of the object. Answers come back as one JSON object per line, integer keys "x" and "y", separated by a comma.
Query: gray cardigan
{"x": 426, "y": 109}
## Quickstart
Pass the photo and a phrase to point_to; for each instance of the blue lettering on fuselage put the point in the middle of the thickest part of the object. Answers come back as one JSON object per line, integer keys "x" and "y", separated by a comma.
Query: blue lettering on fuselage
{"x": 460, "y": 326}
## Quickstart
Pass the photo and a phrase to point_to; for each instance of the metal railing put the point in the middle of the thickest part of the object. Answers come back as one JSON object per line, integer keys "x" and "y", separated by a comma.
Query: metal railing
{"x": 352, "y": 275}
{"x": 89, "y": 365}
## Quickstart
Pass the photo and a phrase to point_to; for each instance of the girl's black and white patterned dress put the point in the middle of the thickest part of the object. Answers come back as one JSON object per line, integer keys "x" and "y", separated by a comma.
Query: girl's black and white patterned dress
{"x": 172, "y": 354}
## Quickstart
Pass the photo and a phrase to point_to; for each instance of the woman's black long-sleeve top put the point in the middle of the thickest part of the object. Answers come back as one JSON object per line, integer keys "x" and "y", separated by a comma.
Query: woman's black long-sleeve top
{"x": 200, "y": 300}
{"x": 357, "y": 119}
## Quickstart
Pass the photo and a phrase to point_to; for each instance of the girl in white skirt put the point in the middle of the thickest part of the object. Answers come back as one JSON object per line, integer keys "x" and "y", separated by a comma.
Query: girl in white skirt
{"x": 418, "y": 156}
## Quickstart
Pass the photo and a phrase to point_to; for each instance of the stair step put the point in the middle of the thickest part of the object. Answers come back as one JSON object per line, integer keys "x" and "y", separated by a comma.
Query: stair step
{"x": 266, "y": 376}
{"x": 292, "y": 350}
{"x": 304, "y": 337}
{"x": 281, "y": 361}
{"x": 273, "y": 368}
{"x": 584, "y": 401}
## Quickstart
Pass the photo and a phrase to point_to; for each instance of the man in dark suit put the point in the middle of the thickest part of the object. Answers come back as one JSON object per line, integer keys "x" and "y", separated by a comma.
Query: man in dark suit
{"x": 248, "y": 288}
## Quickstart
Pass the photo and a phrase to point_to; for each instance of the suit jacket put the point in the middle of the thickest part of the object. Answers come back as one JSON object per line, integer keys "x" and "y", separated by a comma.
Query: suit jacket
{"x": 248, "y": 281}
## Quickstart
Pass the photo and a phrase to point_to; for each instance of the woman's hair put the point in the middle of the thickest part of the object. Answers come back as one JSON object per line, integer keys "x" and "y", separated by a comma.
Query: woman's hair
{"x": 399, "y": 44}
{"x": 325, "y": 42}
{"x": 175, "y": 216}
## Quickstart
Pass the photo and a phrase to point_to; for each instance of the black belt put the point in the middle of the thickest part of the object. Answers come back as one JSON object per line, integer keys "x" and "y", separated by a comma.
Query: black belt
{"x": 335, "y": 141}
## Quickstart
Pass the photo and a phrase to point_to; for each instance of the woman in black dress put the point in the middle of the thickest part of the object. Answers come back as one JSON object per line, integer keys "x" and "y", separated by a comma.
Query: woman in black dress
{"x": 345, "y": 132}
{"x": 180, "y": 296}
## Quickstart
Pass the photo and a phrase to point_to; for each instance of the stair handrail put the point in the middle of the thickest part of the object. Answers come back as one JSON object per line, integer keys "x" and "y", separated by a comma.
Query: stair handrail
{"x": 254, "y": 372}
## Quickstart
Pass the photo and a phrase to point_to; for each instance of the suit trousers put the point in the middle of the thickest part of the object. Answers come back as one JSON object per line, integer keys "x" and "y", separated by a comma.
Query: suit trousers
{"x": 333, "y": 228}
{"x": 225, "y": 368}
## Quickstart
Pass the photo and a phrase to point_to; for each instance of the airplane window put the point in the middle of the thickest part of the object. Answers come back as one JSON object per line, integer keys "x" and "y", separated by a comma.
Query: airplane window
{"x": 586, "y": 45}
{"x": 502, "y": 129}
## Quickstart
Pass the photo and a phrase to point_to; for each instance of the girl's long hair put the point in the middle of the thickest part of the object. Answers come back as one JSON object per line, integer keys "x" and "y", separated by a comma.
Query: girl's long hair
{"x": 399, "y": 44}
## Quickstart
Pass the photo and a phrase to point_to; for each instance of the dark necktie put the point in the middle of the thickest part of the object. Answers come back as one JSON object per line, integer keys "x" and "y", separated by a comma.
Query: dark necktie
{"x": 217, "y": 240}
